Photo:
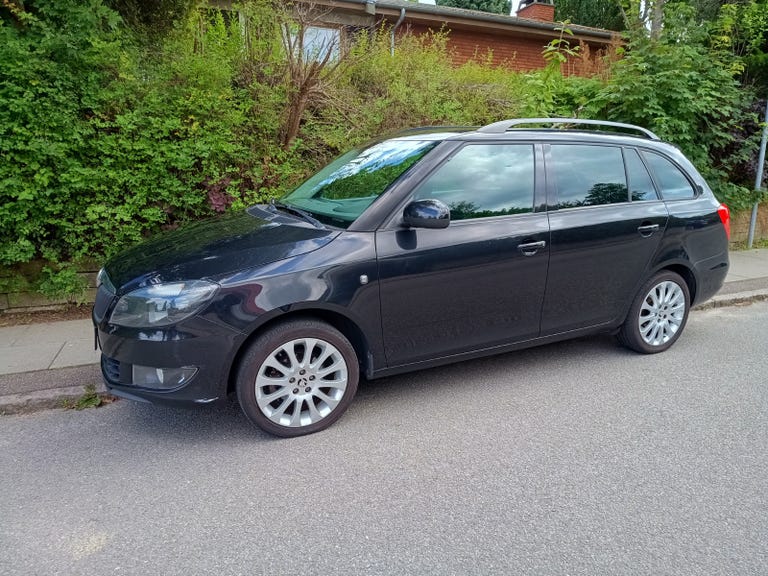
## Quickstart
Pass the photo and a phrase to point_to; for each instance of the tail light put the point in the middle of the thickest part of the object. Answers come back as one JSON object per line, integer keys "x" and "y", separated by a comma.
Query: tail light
{"x": 725, "y": 218}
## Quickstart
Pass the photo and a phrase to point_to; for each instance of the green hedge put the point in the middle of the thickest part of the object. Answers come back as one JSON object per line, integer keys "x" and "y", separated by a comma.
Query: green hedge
{"x": 107, "y": 136}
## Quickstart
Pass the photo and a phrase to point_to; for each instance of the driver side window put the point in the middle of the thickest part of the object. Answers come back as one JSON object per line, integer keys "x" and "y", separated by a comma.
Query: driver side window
{"x": 484, "y": 180}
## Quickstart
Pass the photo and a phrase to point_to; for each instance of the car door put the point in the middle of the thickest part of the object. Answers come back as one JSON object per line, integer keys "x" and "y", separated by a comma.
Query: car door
{"x": 606, "y": 223}
{"x": 480, "y": 281}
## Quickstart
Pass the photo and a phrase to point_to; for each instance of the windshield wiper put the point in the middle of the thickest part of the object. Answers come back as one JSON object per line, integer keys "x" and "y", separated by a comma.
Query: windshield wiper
{"x": 292, "y": 210}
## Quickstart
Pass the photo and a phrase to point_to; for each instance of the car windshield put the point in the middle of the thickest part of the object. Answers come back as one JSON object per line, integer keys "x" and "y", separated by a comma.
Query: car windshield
{"x": 341, "y": 191}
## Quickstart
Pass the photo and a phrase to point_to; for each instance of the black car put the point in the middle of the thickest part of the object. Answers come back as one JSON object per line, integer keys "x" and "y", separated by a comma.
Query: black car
{"x": 426, "y": 248}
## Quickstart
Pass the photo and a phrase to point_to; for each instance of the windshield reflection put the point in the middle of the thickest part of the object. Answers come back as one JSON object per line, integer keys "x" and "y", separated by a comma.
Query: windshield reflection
{"x": 341, "y": 191}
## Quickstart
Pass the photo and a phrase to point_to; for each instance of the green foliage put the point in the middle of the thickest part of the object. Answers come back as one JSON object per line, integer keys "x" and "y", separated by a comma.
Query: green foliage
{"x": 742, "y": 28}
{"x": 89, "y": 399}
{"x": 598, "y": 13}
{"x": 105, "y": 141}
{"x": 50, "y": 67}
{"x": 115, "y": 125}
{"x": 559, "y": 49}
{"x": 156, "y": 18}
{"x": 384, "y": 92}
{"x": 705, "y": 10}
{"x": 494, "y": 6}
{"x": 60, "y": 283}
{"x": 14, "y": 282}
{"x": 688, "y": 94}
{"x": 417, "y": 86}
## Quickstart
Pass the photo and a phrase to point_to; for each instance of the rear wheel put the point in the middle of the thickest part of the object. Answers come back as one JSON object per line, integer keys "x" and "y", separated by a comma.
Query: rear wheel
{"x": 658, "y": 315}
{"x": 297, "y": 378}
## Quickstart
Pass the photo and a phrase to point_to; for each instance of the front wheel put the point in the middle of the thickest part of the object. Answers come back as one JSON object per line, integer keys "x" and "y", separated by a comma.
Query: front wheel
{"x": 297, "y": 378}
{"x": 658, "y": 314}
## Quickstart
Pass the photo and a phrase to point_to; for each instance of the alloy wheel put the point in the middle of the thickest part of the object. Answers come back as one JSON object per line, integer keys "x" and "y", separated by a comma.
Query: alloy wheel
{"x": 662, "y": 313}
{"x": 301, "y": 382}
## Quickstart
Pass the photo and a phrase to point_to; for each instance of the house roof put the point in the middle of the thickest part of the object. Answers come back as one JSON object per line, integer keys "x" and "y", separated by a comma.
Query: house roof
{"x": 432, "y": 15}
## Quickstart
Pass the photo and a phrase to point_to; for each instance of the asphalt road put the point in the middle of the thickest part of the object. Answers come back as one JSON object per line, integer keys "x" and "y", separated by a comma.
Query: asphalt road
{"x": 575, "y": 458}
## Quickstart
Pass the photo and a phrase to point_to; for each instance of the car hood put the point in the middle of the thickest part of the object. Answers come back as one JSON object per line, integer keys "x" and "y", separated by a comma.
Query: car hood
{"x": 216, "y": 246}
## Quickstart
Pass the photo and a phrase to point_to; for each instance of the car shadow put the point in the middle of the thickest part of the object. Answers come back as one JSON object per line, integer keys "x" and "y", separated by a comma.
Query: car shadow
{"x": 525, "y": 363}
{"x": 224, "y": 421}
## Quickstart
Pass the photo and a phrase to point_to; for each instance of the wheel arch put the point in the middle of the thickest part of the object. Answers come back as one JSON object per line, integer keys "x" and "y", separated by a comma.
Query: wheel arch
{"x": 686, "y": 273}
{"x": 663, "y": 323}
{"x": 679, "y": 268}
{"x": 340, "y": 322}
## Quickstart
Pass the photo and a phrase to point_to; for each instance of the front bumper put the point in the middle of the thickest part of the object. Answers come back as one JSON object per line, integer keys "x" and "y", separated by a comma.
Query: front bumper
{"x": 207, "y": 346}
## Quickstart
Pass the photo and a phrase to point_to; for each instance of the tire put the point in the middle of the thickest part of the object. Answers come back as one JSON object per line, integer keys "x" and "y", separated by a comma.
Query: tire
{"x": 289, "y": 392}
{"x": 658, "y": 315}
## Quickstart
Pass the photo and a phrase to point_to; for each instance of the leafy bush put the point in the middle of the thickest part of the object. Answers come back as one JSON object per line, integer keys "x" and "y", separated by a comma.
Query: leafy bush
{"x": 686, "y": 91}
{"x": 418, "y": 85}
{"x": 111, "y": 132}
{"x": 107, "y": 141}
{"x": 62, "y": 283}
{"x": 53, "y": 61}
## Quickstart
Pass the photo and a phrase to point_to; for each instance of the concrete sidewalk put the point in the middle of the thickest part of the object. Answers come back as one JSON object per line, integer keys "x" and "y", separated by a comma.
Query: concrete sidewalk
{"x": 41, "y": 365}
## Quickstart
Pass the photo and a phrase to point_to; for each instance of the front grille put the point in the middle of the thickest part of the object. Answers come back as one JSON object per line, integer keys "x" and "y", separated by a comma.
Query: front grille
{"x": 111, "y": 369}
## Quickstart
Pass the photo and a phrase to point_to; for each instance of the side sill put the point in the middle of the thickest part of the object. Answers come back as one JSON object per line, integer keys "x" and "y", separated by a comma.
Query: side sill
{"x": 491, "y": 351}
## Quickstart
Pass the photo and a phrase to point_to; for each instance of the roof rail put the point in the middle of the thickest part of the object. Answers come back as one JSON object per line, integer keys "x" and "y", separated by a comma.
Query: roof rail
{"x": 504, "y": 125}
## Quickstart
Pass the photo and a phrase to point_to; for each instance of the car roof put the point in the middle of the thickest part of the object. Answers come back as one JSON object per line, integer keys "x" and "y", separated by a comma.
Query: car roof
{"x": 572, "y": 129}
{"x": 437, "y": 133}
{"x": 559, "y": 135}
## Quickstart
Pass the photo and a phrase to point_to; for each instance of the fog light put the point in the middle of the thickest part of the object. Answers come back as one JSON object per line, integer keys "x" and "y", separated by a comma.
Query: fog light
{"x": 161, "y": 378}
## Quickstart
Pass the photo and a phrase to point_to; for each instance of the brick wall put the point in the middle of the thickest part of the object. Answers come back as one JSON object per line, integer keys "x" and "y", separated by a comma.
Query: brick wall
{"x": 514, "y": 52}
{"x": 740, "y": 224}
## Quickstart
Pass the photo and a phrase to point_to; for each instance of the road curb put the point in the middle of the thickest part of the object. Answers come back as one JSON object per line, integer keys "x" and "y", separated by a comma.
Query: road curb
{"x": 42, "y": 389}
{"x": 735, "y": 299}
{"x": 45, "y": 399}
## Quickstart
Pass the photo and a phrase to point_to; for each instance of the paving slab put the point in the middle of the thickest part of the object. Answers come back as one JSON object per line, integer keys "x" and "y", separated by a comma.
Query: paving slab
{"x": 76, "y": 353}
{"x": 14, "y": 359}
{"x": 55, "y": 332}
{"x": 9, "y": 335}
{"x": 748, "y": 285}
{"x": 748, "y": 264}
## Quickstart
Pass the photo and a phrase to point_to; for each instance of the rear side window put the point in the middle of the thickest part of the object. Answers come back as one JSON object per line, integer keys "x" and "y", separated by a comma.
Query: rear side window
{"x": 672, "y": 182}
{"x": 640, "y": 183}
{"x": 483, "y": 180}
{"x": 588, "y": 175}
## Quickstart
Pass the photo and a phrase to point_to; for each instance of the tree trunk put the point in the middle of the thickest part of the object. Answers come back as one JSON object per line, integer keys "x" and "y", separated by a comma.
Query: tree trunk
{"x": 296, "y": 106}
{"x": 657, "y": 18}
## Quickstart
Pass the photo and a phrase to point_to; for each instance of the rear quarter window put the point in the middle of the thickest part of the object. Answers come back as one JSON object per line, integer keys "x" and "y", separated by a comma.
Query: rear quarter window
{"x": 673, "y": 184}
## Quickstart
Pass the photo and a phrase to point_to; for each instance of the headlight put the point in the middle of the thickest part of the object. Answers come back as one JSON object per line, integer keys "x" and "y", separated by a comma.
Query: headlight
{"x": 162, "y": 304}
{"x": 102, "y": 278}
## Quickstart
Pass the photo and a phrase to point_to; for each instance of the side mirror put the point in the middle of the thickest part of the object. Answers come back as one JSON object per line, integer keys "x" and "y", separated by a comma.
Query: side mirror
{"x": 427, "y": 214}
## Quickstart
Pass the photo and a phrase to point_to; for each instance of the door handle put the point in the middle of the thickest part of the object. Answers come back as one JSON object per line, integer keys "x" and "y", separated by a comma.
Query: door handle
{"x": 647, "y": 229}
{"x": 531, "y": 248}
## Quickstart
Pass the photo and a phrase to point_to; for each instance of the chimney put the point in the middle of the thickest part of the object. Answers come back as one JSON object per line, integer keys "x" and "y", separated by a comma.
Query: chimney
{"x": 543, "y": 10}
